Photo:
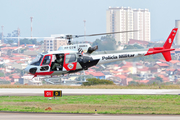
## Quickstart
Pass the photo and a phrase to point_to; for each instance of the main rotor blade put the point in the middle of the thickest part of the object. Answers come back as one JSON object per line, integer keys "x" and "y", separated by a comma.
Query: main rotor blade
{"x": 106, "y": 33}
{"x": 30, "y": 37}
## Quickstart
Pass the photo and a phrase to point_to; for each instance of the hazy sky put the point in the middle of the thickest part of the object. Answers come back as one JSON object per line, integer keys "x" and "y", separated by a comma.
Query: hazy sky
{"x": 66, "y": 16}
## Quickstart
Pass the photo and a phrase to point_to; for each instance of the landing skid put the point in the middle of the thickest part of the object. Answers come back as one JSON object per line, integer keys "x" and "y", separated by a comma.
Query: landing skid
{"x": 63, "y": 80}
{"x": 54, "y": 80}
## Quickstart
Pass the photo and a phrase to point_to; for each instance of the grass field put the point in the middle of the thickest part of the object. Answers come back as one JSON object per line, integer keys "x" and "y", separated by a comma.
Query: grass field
{"x": 106, "y": 104}
{"x": 95, "y": 86}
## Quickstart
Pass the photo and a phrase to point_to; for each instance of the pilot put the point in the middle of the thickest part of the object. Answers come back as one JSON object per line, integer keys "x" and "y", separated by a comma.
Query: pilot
{"x": 58, "y": 61}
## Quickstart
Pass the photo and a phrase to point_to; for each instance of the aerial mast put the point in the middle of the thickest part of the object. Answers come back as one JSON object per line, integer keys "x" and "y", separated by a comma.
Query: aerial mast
{"x": 31, "y": 18}
{"x": 84, "y": 30}
{"x": 2, "y": 35}
{"x": 18, "y": 39}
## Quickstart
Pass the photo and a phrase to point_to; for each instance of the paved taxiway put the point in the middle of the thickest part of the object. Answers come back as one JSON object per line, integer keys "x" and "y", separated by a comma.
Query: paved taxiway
{"x": 47, "y": 116}
{"x": 40, "y": 92}
{"x": 42, "y": 116}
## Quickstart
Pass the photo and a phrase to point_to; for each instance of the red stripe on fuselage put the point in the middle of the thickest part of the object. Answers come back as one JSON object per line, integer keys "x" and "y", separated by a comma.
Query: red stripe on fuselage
{"x": 65, "y": 65}
{"x": 44, "y": 73}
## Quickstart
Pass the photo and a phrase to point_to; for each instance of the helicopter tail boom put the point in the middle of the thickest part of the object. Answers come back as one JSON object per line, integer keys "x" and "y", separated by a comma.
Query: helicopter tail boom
{"x": 122, "y": 55}
{"x": 165, "y": 50}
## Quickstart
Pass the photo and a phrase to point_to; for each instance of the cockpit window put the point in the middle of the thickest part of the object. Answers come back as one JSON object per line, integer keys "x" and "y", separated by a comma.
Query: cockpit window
{"x": 70, "y": 58}
{"x": 60, "y": 48}
{"x": 46, "y": 60}
{"x": 37, "y": 60}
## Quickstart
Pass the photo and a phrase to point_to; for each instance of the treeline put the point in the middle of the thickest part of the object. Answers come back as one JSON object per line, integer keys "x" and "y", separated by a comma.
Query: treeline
{"x": 135, "y": 46}
{"x": 96, "y": 81}
{"x": 28, "y": 41}
{"x": 105, "y": 43}
{"x": 5, "y": 82}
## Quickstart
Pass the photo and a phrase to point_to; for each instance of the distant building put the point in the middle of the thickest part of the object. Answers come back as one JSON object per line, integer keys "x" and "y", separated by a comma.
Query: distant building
{"x": 127, "y": 19}
{"x": 141, "y": 19}
{"x": 31, "y": 45}
{"x": 177, "y": 24}
{"x": 99, "y": 75}
{"x": 52, "y": 44}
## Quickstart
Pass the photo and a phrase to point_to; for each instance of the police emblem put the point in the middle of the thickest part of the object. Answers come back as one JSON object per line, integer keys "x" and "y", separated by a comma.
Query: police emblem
{"x": 70, "y": 66}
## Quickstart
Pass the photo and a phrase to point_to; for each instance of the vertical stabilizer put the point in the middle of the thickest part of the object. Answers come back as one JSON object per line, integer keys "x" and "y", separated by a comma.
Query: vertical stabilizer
{"x": 168, "y": 44}
{"x": 169, "y": 41}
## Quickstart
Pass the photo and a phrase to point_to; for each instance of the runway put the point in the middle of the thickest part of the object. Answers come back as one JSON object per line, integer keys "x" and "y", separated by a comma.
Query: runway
{"x": 40, "y": 92}
{"x": 58, "y": 116}
{"x": 43, "y": 116}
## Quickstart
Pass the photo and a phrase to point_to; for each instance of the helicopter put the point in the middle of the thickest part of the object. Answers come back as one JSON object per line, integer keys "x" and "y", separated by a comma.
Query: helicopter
{"x": 78, "y": 60}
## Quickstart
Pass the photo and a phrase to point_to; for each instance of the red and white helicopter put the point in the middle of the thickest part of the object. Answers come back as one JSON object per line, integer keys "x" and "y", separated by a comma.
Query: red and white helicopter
{"x": 76, "y": 60}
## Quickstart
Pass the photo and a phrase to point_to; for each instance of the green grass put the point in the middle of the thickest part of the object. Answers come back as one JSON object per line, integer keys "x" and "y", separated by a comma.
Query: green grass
{"x": 106, "y": 104}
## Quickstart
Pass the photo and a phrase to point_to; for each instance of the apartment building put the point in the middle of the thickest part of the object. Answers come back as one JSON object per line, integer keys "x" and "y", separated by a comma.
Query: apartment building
{"x": 127, "y": 19}
{"x": 177, "y": 25}
{"x": 142, "y": 23}
{"x": 52, "y": 44}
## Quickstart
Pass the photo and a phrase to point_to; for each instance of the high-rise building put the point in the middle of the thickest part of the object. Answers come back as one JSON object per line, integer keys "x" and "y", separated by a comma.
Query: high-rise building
{"x": 142, "y": 23}
{"x": 127, "y": 19}
{"x": 177, "y": 24}
{"x": 52, "y": 44}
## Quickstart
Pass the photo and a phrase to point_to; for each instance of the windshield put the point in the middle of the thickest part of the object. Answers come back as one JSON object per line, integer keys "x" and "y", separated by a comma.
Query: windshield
{"x": 60, "y": 48}
{"x": 37, "y": 60}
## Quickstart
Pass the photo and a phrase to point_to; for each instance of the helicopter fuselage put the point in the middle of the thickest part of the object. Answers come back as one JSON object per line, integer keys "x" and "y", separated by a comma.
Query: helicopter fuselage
{"x": 74, "y": 61}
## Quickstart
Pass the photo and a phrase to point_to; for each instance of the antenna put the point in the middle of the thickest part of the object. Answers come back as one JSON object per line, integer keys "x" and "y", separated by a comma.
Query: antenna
{"x": 84, "y": 30}
{"x": 2, "y": 35}
{"x": 18, "y": 39}
{"x": 31, "y": 27}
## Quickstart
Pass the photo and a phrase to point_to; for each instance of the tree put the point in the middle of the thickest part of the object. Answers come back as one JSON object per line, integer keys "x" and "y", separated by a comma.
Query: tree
{"x": 95, "y": 81}
{"x": 9, "y": 52}
{"x": 10, "y": 41}
{"x": 158, "y": 79}
{"x": 40, "y": 43}
{"x": 133, "y": 83}
{"x": 28, "y": 41}
{"x": 2, "y": 66}
{"x": 119, "y": 42}
{"x": 5, "y": 82}
{"x": 135, "y": 46}
{"x": 105, "y": 43}
{"x": 1, "y": 74}
{"x": 154, "y": 82}
{"x": 22, "y": 50}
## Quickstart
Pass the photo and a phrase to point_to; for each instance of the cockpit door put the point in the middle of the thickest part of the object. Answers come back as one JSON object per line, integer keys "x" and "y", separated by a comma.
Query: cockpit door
{"x": 46, "y": 63}
{"x": 70, "y": 62}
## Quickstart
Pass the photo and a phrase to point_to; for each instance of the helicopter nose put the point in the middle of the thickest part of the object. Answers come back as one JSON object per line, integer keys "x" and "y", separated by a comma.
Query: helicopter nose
{"x": 27, "y": 70}
{"x": 30, "y": 70}
{"x": 33, "y": 70}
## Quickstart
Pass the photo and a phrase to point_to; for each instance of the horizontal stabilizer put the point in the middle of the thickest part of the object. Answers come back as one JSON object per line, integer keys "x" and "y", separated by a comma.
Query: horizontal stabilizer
{"x": 167, "y": 56}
